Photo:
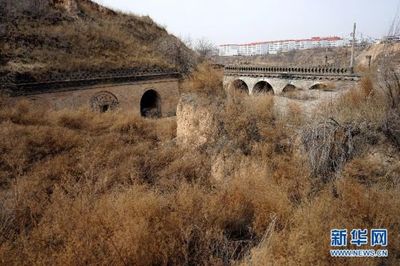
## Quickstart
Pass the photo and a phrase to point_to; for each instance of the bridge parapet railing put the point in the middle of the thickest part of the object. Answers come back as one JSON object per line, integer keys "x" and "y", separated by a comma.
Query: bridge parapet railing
{"x": 17, "y": 84}
{"x": 26, "y": 78}
{"x": 288, "y": 70}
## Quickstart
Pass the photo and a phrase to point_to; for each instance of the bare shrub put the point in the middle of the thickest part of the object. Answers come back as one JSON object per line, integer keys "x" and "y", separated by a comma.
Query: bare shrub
{"x": 204, "y": 81}
{"x": 177, "y": 53}
{"x": 205, "y": 49}
{"x": 390, "y": 85}
{"x": 391, "y": 126}
{"x": 329, "y": 145}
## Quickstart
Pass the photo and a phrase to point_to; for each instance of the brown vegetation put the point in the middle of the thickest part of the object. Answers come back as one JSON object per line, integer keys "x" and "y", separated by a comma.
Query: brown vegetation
{"x": 49, "y": 36}
{"x": 83, "y": 188}
{"x": 206, "y": 81}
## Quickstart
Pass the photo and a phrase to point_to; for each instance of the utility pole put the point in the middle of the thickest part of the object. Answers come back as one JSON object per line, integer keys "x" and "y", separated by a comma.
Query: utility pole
{"x": 352, "y": 48}
{"x": 369, "y": 57}
{"x": 326, "y": 56}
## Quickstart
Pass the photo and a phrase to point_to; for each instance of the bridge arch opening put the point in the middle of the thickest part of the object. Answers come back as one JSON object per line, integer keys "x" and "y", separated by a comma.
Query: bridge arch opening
{"x": 150, "y": 104}
{"x": 319, "y": 86}
{"x": 263, "y": 87}
{"x": 289, "y": 88}
{"x": 240, "y": 86}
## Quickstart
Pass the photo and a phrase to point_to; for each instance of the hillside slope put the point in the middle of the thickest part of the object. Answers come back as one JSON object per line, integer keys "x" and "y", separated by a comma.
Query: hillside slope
{"x": 381, "y": 54}
{"x": 339, "y": 56}
{"x": 39, "y": 36}
{"x": 336, "y": 56}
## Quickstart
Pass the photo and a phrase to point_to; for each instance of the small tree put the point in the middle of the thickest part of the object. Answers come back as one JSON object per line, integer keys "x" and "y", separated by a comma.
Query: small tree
{"x": 389, "y": 81}
{"x": 177, "y": 53}
{"x": 389, "y": 70}
{"x": 204, "y": 48}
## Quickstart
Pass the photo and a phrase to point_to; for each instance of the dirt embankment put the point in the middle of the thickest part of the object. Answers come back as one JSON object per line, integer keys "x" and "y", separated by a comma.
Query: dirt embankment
{"x": 380, "y": 53}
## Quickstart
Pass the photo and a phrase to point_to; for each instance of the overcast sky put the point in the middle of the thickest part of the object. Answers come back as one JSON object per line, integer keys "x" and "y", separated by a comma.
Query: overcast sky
{"x": 241, "y": 21}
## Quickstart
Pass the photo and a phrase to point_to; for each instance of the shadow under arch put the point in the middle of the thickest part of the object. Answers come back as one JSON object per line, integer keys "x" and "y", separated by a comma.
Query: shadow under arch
{"x": 240, "y": 86}
{"x": 263, "y": 87}
{"x": 289, "y": 88}
{"x": 319, "y": 86}
{"x": 150, "y": 104}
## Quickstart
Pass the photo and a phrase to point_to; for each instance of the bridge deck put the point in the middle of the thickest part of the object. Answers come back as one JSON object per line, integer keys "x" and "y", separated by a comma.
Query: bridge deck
{"x": 292, "y": 72}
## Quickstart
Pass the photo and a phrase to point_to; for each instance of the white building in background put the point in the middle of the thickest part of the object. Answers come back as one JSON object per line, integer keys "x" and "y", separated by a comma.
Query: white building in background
{"x": 274, "y": 47}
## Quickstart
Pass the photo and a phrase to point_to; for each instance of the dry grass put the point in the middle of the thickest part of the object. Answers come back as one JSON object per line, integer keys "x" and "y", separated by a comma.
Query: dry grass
{"x": 364, "y": 104}
{"x": 351, "y": 205}
{"x": 88, "y": 40}
{"x": 204, "y": 81}
{"x": 83, "y": 188}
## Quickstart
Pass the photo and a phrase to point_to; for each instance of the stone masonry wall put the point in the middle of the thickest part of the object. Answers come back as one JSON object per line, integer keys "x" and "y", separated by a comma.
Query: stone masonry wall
{"x": 128, "y": 94}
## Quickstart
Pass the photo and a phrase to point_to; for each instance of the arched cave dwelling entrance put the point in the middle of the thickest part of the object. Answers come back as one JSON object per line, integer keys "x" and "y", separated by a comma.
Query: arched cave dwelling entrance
{"x": 150, "y": 104}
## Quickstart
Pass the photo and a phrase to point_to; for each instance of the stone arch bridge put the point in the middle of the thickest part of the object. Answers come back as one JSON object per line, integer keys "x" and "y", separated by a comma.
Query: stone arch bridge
{"x": 278, "y": 80}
